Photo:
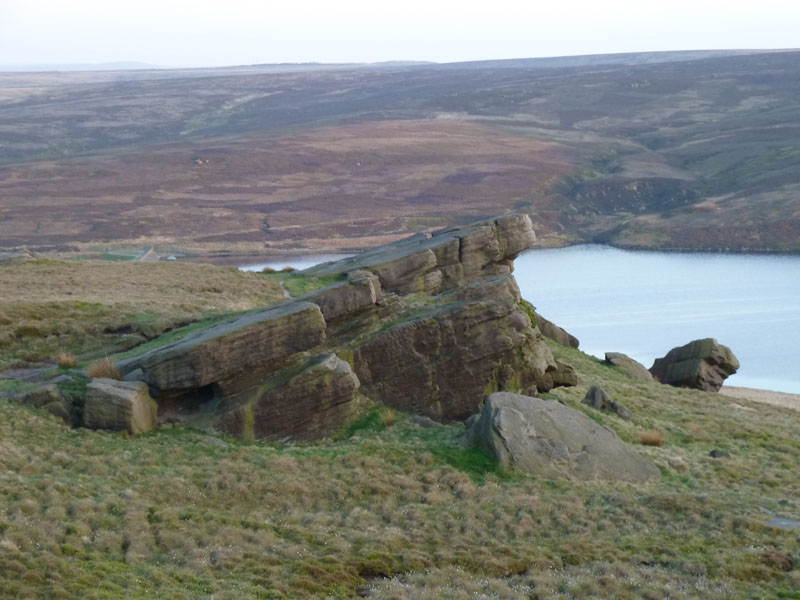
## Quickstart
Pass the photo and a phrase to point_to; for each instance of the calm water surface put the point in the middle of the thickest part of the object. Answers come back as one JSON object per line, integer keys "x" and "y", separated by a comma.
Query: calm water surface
{"x": 645, "y": 303}
{"x": 298, "y": 262}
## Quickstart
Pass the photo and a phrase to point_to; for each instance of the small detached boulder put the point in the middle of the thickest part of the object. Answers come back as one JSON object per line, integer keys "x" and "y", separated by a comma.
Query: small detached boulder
{"x": 50, "y": 398}
{"x": 700, "y": 364}
{"x": 631, "y": 368}
{"x": 555, "y": 333}
{"x": 548, "y": 439}
{"x": 41, "y": 396}
{"x": 598, "y": 399}
{"x": 119, "y": 405}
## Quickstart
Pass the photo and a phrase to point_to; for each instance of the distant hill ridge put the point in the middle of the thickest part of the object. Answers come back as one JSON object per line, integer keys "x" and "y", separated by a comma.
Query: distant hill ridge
{"x": 547, "y": 62}
{"x": 693, "y": 150}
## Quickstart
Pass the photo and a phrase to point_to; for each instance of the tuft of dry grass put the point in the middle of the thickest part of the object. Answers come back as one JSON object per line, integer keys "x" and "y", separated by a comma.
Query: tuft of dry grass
{"x": 66, "y": 360}
{"x": 104, "y": 368}
{"x": 651, "y": 438}
{"x": 267, "y": 270}
{"x": 387, "y": 417}
{"x": 288, "y": 270}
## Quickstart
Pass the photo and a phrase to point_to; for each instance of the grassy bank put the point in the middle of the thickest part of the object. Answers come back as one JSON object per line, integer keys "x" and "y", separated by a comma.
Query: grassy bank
{"x": 383, "y": 509}
{"x": 93, "y": 308}
{"x": 400, "y": 511}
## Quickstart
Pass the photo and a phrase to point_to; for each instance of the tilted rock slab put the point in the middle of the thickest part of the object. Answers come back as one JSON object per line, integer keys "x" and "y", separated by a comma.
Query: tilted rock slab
{"x": 119, "y": 406}
{"x": 547, "y": 439}
{"x": 700, "y": 364}
{"x": 238, "y": 346}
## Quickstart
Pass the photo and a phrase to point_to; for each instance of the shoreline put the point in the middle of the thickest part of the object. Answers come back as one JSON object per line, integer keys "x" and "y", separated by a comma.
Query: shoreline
{"x": 783, "y": 399}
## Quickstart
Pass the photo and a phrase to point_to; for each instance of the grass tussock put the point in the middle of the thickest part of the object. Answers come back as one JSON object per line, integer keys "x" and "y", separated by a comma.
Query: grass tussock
{"x": 66, "y": 360}
{"x": 103, "y": 368}
{"x": 651, "y": 438}
{"x": 387, "y": 417}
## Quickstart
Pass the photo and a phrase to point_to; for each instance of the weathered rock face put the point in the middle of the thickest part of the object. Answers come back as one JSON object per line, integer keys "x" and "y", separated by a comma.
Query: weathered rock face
{"x": 701, "y": 364}
{"x": 263, "y": 337}
{"x": 563, "y": 375}
{"x": 361, "y": 291}
{"x": 119, "y": 405}
{"x": 302, "y": 402}
{"x": 447, "y": 259}
{"x": 631, "y": 368}
{"x": 430, "y": 325}
{"x": 442, "y": 361}
{"x": 556, "y": 333}
{"x": 548, "y": 439}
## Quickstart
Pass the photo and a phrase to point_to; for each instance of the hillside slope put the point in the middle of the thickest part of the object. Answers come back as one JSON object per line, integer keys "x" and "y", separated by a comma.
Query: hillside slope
{"x": 687, "y": 151}
{"x": 386, "y": 507}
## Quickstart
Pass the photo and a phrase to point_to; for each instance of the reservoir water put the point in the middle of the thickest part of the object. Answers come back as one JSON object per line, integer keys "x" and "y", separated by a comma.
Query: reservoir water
{"x": 645, "y": 303}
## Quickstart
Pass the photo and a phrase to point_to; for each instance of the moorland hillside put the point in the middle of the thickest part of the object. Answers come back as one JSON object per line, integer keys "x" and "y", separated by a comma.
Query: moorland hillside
{"x": 695, "y": 150}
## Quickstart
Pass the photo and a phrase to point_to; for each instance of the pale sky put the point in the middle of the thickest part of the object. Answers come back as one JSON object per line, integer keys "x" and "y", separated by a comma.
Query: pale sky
{"x": 235, "y": 32}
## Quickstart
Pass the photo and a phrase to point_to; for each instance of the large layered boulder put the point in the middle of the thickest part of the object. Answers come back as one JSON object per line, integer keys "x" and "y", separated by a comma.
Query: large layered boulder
{"x": 119, "y": 406}
{"x": 629, "y": 366}
{"x": 547, "y": 439}
{"x": 429, "y": 325}
{"x": 700, "y": 364}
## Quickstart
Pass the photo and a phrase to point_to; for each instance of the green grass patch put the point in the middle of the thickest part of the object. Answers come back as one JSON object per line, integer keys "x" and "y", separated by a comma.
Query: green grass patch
{"x": 300, "y": 285}
{"x": 179, "y": 333}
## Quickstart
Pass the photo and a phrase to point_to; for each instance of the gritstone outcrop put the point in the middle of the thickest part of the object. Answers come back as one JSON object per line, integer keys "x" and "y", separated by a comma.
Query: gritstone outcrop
{"x": 430, "y": 324}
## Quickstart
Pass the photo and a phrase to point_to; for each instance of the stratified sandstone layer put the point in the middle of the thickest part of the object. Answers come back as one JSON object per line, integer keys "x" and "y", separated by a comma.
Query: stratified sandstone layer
{"x": 429, "y": 324}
